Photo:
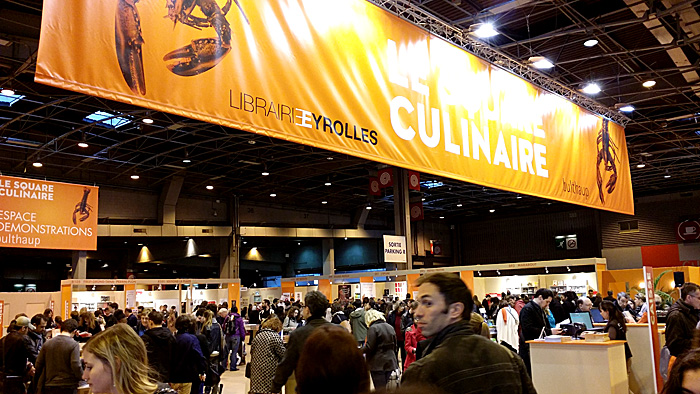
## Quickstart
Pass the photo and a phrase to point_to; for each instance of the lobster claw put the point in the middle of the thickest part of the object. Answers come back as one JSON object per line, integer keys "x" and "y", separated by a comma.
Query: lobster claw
{"x": 201, "y": 55}
{"x": 128, "y": 44}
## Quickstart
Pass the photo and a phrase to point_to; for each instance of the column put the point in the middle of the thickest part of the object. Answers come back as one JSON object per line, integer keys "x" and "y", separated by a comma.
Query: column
{"x": 328, "y": 256}
{"x": 66, "y": 301}
{"x": 229, "y": 258}
{"x": 79, "y": 264}
{"x": 402, "y": 215}
{"x": 324, "y": 286}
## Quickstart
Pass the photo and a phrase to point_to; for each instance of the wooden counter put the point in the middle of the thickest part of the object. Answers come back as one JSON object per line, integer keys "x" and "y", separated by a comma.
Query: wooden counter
{"x": 579, "y": 367}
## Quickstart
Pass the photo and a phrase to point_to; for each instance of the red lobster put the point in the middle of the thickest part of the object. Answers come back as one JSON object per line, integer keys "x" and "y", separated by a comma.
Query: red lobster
{"x": 82, "y": 207}
{"x": 199, "y": 56}
{"x": 607, "y": 153}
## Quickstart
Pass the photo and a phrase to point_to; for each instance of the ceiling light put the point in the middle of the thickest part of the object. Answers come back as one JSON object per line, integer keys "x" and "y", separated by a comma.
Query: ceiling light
{"x": 273, "y": 194}
{"x": 186, "y": 161}
{"x": 329, "y": 158}
{"x": 667, "y": 175}
{"x": 327, "y": 183}
{"x": 105, "y": 265}
{"x": 590, "y": 43}
{"x": 649, "y": 83}
{"x": 83, "y": 144}
{"x": 442, "y": 217}
{"x": 459, "y": 205}
{"x": 368, "y": 207}
{"x": 7, "y": 92}
{"x": 623, "y": 107}
{"x": 324, "y": 202}
{"x": 298, "y": 243}
{"x": 210, "y": 187}
{"x": 518, "y": 197}
{"x": 252, "y": 142}
{"x": 483, "y": 30}
{"x": 641, "y": 164}
{"x": 346, "y": 238}
{"x": 37, "y": 164}
{"x": 540, "y": 62}
{"x": 147, "y": 120}
{"x": 422, "y": 199}
{"x": 492, "y": 210}
{"x": 135, "y": 177}
{"x": 265, "y": 173}
{"x": 591, "y": 88}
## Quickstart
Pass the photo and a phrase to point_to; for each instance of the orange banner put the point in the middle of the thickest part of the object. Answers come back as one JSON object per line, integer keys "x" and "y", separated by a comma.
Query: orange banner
{"x": 343, "y": 75}
{"x": 47, "y": 215}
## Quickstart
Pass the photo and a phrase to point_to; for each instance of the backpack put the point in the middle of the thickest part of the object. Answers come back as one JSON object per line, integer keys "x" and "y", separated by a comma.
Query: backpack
{"x": 231, "y": 326}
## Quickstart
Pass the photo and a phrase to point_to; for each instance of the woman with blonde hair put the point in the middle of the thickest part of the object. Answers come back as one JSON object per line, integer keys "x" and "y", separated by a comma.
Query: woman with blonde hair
{"x": 380, "y": 348}
{"x": 266, "y": 352}
{"x": 116, "y": 363}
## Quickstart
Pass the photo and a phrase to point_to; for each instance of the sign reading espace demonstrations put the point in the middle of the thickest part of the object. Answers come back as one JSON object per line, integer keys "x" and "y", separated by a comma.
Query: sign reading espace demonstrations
{"x": 47, "y": 215}
{"x": 342, "y": 75}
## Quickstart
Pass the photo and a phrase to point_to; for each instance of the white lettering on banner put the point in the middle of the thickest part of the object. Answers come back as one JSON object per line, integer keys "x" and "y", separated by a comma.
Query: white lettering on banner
{"x": 516, "y": 114}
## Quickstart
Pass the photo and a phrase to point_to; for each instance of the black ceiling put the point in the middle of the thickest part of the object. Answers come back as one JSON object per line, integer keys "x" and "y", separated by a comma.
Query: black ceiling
{"x": 663, "y": 131}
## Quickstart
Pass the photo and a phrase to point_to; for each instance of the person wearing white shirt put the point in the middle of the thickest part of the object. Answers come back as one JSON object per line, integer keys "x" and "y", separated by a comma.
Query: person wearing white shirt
{"x": 507, "y": 323}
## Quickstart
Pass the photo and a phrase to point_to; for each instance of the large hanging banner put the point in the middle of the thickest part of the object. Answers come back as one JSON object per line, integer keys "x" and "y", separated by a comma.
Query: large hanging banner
{"x": 342, "y": 75}
{"x": 47, "y": 215}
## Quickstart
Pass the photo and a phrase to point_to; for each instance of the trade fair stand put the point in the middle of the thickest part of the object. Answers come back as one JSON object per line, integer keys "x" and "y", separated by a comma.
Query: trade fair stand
{"x": 150, "y": 293}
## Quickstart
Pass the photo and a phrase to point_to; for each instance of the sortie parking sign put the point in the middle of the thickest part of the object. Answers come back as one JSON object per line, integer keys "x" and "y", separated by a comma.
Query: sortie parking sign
{"x": 394, "y": 249}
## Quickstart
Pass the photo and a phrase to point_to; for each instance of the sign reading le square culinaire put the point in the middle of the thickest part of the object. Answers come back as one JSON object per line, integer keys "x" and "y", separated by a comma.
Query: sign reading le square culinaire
{"x": 342, "y": 75}
{"x": 47, "y": 215}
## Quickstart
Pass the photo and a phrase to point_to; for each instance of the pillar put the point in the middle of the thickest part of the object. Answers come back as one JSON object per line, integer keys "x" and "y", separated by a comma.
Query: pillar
{"x": 234, "y": 295}
{"x": 402, "y": 216}
{"x": 66, "y": 301}
{"x": 79, "y": 264}
{"x": 229, "y": 258}
{"x": 410, "y": 284}
{"x": 328, "y": 256}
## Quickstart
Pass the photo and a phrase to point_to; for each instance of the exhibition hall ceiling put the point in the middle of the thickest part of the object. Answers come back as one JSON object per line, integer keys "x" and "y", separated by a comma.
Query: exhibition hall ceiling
{"x": 620, "y": 45}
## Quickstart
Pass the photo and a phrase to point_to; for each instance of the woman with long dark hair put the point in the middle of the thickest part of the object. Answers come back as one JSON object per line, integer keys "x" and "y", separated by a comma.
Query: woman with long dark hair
{"x": 684, "y": 377}
{"x": 616, "y": 327}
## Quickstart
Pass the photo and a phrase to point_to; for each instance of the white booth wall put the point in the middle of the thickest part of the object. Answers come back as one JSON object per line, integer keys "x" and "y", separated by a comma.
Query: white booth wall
{"x": 27, "y": 302}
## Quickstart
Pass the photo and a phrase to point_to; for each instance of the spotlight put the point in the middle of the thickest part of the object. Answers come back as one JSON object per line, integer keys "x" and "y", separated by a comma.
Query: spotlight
{"x": 37, "y": 164}
{"x": 265, "y": 173}
{"x": 483, "y": 30}
{"x": 135, "y": 177}
{"x": 590, "y": 43}
{"x": 83, "y": 144}
{"x": 273, "y": 194}
{"x": 591, "y": 88}
{"x": 649, "y": 83}
{"x": 210, "y": 187}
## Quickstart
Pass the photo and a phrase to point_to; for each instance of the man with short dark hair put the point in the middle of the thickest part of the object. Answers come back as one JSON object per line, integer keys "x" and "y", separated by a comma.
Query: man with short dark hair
{"x": 111, "y": 308}
{"x": 609, "y": 297}
{"x": 131, "y": 318}
{"x": 682, "y": 319}
{"x": 315, "y": 304}
{"x": 533, "y": 323}
{"x": 58, "y": 368}
{"x": 159, "y": 343}
{"x": 35, "y": 338}
{"x": 454, "y": 358}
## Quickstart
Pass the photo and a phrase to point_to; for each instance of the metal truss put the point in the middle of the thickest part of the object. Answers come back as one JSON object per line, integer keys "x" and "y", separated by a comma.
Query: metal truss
{"x": 408, "y": 11}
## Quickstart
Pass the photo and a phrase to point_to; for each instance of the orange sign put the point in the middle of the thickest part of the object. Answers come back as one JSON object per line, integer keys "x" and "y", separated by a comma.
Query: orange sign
{"x": 342, "y": 75}
{"x": 47, "y": 215}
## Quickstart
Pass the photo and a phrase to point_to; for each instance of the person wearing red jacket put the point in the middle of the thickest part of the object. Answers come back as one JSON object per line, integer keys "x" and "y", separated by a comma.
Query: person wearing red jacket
{"x": 413, "y": 336}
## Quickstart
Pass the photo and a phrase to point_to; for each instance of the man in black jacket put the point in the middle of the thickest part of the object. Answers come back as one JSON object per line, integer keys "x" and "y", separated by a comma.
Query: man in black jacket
{"x": 533, "y": 323}
{"x": 682, "y": 320}
{"x": 454, "y": 359}
{"x": 159, "y": 343}
{"x": 315, "y": 305}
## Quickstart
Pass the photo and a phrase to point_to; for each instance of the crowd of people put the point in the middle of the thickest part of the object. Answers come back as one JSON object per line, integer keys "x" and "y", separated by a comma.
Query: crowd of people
{"x": 438, "y": 342}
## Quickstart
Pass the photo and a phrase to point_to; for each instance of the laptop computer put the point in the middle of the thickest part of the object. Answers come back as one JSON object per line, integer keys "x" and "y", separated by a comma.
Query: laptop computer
{"x": 597, "y": 317}
{"x": 585, "y": 319}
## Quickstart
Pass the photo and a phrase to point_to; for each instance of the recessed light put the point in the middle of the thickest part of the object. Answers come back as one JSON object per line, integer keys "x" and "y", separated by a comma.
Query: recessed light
{"x": 590, "y": 43}
{"x": 83, "y": 144}
{"x": 7, "y": 92}
{"x": 492, "y": 210}
{"x": 324, "y": 202}
{"x": 273, "y": 194}
{"x": 327, "y": 183}
{"x": 265, "y": 173}
{"x": 135, "y": 177}
{"x": 147, "y": 120}
{"x": 37, "y": 164}
{"x": 210, "y": 187}
{"x": 649, "y": 83}
{"x": 591, "y": 88}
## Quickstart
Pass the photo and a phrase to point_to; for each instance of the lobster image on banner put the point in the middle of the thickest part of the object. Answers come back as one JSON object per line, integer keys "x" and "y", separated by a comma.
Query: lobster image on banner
{"x": 607, "y": 154}
{"x": 82, "y": 208}
{"x": 193, "y": 59}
